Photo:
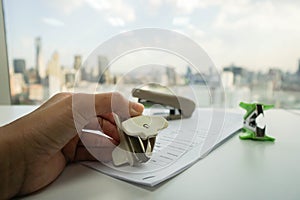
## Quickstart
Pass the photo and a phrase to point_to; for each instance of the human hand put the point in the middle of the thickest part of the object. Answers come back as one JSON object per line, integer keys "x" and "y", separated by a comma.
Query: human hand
{"x": 35, "y": 148}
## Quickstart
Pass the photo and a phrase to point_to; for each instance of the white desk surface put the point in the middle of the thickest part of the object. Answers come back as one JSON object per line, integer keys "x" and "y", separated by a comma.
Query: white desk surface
{"x": 236, "y": 170}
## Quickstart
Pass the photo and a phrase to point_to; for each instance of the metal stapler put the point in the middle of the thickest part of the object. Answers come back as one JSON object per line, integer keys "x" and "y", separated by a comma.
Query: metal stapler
{"x": 179, "y": 107}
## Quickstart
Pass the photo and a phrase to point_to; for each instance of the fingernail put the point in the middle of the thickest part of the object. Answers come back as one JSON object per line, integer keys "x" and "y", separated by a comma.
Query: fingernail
{"x": 137, "y": 108}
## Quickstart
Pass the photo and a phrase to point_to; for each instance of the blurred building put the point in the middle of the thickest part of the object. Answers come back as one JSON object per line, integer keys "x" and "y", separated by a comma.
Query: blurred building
{"x": 227, "y": 79}
{"x": 36, "y": 93}
{"x": 275, "y": 77}
{"x": 55, "y": 74}
{"x": 103, "y": 75}
{"x": 78, "y": 69}
{"x": 37, "y": 58}
{"x": 298, "y": 72}
{"x": 240, "y": 75}
{"x": 77, "y": 62}
{"x": 188, "y": 74}
{"x": 171, "y": 75}
{"x": 20, "y": 68}
{"x": 69, "y": 78}
{"x": 16, "y": 82}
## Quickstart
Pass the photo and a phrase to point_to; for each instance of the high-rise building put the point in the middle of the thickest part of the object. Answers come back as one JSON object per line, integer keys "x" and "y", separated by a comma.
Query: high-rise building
{"x": 37, "y": 57}
{"x": 77, "y": 62}
{"x": 188, "y": 74}
{"x": 240, "y": 74}
{"x": 171, "y": 74}
{"x": 103, "y": 70}
{"x": 55, "y": 74}
{"x": 19, "y": 66}
{"x": 39, "y": 63}
{"x": 298, "y": 72}
{"x": 80, "y": 75}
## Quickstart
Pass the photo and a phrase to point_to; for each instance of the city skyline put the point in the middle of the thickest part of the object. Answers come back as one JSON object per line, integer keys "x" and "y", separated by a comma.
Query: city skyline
{"x": 229, "y": 31}
{"x": 32, "y": 86}
{"x": 40, "y": 64}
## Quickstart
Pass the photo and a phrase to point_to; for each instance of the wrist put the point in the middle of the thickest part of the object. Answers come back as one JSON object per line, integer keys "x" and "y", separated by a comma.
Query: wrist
{"x": 12, "y": 163}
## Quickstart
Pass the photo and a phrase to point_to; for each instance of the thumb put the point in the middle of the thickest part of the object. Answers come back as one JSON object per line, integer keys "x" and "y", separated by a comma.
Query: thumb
{"x": 85, "y": 107}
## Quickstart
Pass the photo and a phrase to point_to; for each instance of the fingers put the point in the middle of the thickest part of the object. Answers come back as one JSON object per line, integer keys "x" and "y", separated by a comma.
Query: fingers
{"x": 116, "y": 103}
{"x": 103, "y": 154}
{"x": 55, "y": 121}
{"x": 94, "y": 124}
{"x": 89, "y": 147}
{"x": 82, "y": 154}
{"x": 88, "y": 106}
{"x": 93, "y": 140}
{"x": 69, "y": 150}
{"x": 110, "y": 130}
{"x": 94, "y": 146}
{"x": 104, "y": 126}
{"x": 109, "y": 117}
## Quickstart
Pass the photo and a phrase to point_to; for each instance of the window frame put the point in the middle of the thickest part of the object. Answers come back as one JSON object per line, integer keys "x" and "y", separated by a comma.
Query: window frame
{"x": 5, "y": 96}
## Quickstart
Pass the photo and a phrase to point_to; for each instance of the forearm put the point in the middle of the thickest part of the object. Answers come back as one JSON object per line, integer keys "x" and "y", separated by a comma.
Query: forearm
{"x": 12, "y": 166}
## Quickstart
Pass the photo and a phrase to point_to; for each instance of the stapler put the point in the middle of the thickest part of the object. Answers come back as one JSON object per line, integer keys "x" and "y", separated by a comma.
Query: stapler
{"x": 137, "y": 139}
{"x": 179, "y": 107}
{"x": 254, "y": 127}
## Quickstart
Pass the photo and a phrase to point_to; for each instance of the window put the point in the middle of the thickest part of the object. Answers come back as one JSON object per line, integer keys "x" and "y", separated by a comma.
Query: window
{"x": 4, "y": 76}
{"x": 255, "y": 46}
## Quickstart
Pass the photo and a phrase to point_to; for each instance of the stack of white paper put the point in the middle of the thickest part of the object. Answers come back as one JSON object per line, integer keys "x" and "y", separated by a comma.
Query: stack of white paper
{"x": 179, "y": 146}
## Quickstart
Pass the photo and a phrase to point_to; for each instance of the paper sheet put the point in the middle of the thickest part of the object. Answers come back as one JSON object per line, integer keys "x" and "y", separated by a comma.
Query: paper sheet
{"x": 179, "y": 146}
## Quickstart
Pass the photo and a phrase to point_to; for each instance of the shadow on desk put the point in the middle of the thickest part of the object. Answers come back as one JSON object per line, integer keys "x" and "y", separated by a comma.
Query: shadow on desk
{"x": 79, "y": 182}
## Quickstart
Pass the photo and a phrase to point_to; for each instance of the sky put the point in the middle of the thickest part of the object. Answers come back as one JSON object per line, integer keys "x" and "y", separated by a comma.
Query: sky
{"x": 255, "y": 34}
